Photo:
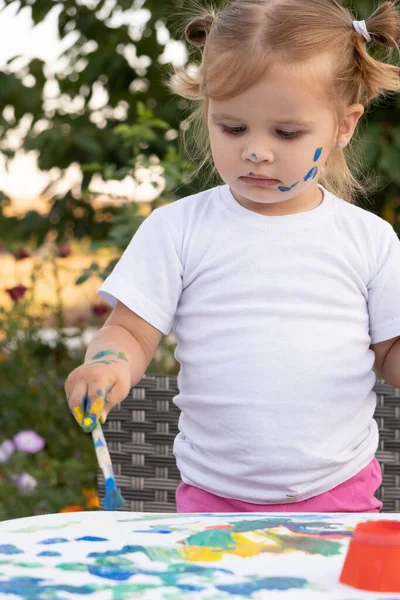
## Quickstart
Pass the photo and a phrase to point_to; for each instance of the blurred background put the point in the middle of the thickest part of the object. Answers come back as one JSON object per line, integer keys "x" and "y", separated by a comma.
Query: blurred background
{"x": 89, "y": 146}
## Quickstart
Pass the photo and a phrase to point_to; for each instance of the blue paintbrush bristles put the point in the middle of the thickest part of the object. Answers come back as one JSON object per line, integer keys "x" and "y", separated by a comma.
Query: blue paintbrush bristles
{"x": 113, "y": 498}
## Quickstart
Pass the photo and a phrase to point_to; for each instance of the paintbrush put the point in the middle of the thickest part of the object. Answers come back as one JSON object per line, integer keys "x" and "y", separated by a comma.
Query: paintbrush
{"x": 113, "y": 498}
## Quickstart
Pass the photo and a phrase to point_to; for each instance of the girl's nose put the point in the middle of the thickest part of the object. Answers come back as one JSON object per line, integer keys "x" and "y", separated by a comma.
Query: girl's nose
{"x": 256, "y": 156}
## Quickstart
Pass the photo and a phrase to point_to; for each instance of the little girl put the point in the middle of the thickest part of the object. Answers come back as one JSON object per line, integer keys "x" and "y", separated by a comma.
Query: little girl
{"x": 282, "y": 293}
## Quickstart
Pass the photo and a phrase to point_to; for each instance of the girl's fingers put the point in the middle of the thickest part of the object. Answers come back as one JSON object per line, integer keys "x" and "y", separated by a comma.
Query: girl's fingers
{"x": 75, "y": 401}
{"x": 94, "y": 404}
{"x": 113, "y": 397}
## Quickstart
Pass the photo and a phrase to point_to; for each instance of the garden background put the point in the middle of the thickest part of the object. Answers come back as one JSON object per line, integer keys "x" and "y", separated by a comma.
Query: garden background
{"x": 105, "y": 131}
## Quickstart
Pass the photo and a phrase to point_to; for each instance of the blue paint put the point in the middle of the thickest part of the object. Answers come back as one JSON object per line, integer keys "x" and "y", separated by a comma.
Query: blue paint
{"x": 114, "y": 572}
{"x": 110, "y": 484}
{"x": 113, "y": 498}
{"x": 254, "y": 155}
{"x": 86, "y": 403}
{"x": 282, "y": 188}
{"x": 247, "y": 588}
{"x": 49, "y": 553}
{"x": 99, "y": 444}
{"x": 10, "y": 549}
{"x": 37, "y": 589}
{"x": 311, "y": 174}
{"x": 317, "y": 154}
{"x": 54, "y": 541}
{"x": 154, "y": 529}
{"x": 251, "y": 174}
{"x": 91, "y": 538}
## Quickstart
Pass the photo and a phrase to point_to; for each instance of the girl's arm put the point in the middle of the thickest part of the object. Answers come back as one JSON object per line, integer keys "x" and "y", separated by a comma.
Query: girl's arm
{"x": 387, "y": 360}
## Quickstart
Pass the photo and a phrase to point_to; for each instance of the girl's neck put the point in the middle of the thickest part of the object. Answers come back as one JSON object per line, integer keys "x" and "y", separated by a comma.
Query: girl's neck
{"x": 309, "y": 200}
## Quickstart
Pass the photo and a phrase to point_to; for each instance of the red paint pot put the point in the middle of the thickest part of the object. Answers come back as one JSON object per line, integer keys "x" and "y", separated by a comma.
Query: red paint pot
{"x": 373, "y": 559}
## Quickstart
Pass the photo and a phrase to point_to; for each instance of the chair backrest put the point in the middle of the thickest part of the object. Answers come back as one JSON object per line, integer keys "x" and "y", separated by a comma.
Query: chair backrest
{"x": 140, "y": 433}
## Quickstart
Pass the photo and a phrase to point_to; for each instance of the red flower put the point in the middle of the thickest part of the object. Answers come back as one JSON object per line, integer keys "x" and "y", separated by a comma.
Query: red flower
{"x": 100, "y": 309}
{"x": 63, "y": 251}
{"x": 17, "y": 292}
{"x": 21, "y": 254}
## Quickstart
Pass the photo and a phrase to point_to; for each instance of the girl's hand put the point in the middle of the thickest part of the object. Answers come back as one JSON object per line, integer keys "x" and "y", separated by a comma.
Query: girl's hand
{"x": 94, "y": 388}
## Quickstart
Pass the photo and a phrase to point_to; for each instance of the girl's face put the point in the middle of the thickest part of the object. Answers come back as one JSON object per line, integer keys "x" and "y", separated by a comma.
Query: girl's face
{"x": 270, "y": 143}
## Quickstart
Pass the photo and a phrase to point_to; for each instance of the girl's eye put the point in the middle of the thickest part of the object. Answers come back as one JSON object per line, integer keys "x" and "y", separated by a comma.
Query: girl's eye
{"x": 232, "y": 130}
{"x": 289, "y": 135}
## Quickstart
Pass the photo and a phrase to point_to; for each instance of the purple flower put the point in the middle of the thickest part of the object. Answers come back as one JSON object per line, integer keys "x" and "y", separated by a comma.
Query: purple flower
{"x": 29, "y": 441}
{"x": 25, "y": 482}
{"x": 6, "y": 450}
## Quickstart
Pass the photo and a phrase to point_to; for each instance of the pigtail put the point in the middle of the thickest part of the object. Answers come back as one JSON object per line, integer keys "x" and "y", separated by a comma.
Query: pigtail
{"x": 384, "y": 25}
{"x": 376, "y": 76}
{"x": 197, "y": 29}
{"x": 186, "y": 84}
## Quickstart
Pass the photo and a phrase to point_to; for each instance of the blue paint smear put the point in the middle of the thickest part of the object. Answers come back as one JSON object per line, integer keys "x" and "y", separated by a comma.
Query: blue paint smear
{"x": 36, "y": 589}
{"x": 10, "y": 549}
{"x": 311, "y": 174}
{"x": 281, "y": 188}
{"x": 246, "y": 588}
{"x": 317, "y": 155}
{"x": 99, "y": 443}
{"x": 49, "y": 553}
{"x": 154, "y": 530}
{"x": 54, "y": 541}
{"x": 90, "y": 538}
{"x": 114, "y": 572}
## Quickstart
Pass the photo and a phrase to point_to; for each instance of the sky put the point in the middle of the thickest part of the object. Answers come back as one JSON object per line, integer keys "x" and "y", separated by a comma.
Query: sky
{"x": 22, "y": 181}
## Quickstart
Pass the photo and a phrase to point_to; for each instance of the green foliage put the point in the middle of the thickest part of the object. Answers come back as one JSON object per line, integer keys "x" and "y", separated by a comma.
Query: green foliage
{"x": 32, "y": 375}
{"x": 32, "y": 398}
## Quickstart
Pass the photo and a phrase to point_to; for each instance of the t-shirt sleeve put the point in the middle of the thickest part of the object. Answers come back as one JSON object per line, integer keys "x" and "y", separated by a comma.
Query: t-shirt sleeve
{"x": 148, "y": 277}
{"x": 384, "y": 290}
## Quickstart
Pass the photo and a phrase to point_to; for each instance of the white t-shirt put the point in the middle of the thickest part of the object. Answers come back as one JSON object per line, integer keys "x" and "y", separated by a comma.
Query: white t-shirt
{"x": 274, "y": 317}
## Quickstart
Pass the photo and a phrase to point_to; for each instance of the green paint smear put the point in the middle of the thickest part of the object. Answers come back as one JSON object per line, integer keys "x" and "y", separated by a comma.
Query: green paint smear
{"x": 72, "y": 567}
{"x": 212, "y": 538}
{"x": 36, "y": 529}
{"x": 305, "y": 544}
{"x": 27, "y": 565}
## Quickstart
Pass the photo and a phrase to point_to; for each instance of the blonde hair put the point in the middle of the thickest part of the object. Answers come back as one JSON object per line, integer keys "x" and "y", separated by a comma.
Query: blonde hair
{"x": 241, "y": 40}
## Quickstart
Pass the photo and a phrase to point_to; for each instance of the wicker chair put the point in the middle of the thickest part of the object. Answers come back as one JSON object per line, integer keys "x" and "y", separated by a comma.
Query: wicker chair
{"x": 140, "y": 433}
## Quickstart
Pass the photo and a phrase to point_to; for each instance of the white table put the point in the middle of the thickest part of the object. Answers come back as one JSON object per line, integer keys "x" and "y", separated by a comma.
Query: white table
{"x": 122, "y": 555}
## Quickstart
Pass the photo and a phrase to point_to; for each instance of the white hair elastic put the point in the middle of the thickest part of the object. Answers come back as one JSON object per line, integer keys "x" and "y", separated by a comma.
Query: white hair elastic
{"x": 361, "y": 28}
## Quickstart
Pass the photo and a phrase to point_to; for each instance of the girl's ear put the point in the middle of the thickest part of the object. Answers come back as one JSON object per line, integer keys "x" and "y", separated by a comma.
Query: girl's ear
{"x": 351, "y": 116}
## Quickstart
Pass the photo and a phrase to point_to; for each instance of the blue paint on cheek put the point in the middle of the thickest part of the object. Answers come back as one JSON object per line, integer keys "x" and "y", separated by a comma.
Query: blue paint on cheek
{"x": 9, "y": 549}
{"x": 54, "y": 541}
{"x": 317, "y": 155}
{"x": 311, "y": 174}
{"x": 287, "y": 189}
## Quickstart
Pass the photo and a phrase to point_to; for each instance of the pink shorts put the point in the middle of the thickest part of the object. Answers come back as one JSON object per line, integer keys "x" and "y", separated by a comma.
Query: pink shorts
{"x": 356, "y": 495}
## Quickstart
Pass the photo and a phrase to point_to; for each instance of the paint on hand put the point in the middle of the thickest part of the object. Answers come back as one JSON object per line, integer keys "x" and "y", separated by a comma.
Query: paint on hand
{"x": 79, "y": 414}
{"x": 106, "y": 362}
{"x": 311, "y": 174}
{"x": 105, "y": 353}
{"x": 94, "y": 409}
{"x": 283, "y": 188}
{"x": 317, "y": 154}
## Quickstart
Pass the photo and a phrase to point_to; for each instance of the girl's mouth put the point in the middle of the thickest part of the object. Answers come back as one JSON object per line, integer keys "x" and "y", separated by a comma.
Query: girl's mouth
{"x": 260, "y": 181}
